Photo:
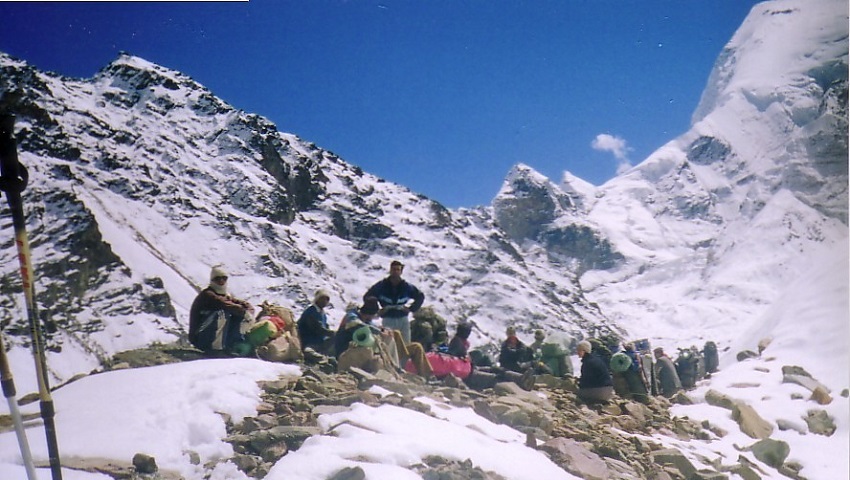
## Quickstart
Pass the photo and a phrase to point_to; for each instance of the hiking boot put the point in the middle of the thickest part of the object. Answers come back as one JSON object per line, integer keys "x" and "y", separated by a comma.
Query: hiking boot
{"x": 526, "y": 382}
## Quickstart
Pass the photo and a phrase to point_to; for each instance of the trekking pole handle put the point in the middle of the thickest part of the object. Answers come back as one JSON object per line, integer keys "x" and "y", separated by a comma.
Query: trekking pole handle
{"x": 13, "y": 175}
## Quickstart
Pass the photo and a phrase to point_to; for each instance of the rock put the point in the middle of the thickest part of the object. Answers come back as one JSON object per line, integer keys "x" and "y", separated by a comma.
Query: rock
{"x": 770, "y": 451}
{"x": 746, "y": 355}
{"x": 845, "y": 393}
{"x": 451, "y": 380}
{"x": 791, "y": 470}
{"x": 638, "y": 410}
{"x": 576, "y": 459}
{"x": 764, "y": 343}
{"x": 820, "y": 423}
{"x": 675, "y": 459}
{"x": 329, "y": 409}
{"x": 194, "y": 457}
{"x": 709, "y": 475}
{"x": 804, "y": 381}
{"x": 750, "y": 422}
{"x": 821, "y": 396}
{"x": 745, "y": 385}
{"x": 274, "y": 452}
{"x": 144, "y": 463}
{"x": 349, "y": 473}
{"x": 681, "y": 398}
{"x": 795, "y": 370}
{"x": 745, "y": 471}
{"x": 717, "y": 399}
{"x": 714, "y": 429}
{"x": 246, "y": 463}
{"x": 294, "y": 436}
{"x": 789, "y": 425}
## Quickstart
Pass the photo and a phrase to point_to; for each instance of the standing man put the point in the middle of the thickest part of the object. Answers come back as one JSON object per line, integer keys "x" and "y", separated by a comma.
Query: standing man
{"x": 668, "y": 379}
{"x": 394, "y": 293}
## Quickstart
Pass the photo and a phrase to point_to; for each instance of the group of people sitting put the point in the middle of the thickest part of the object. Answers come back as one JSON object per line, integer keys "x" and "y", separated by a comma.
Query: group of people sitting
{"x": 628, "y": 373}
{"x": 219, "y": 322}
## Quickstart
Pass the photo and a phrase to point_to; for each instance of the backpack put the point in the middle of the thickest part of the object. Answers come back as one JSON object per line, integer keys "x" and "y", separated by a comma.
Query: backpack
{"x": 283, "y": 320}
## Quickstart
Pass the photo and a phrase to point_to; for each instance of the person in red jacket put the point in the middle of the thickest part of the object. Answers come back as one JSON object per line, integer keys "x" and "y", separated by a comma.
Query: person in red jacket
{"x": 216, "y": 317}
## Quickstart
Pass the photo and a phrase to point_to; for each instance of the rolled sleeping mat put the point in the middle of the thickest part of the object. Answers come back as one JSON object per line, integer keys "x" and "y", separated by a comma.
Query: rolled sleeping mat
{"x": 363, "y": 337}
{"x": 620, "y": 362}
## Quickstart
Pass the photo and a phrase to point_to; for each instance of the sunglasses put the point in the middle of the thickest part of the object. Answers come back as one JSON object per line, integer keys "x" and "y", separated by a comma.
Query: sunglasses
{"x": 220, "y": 279}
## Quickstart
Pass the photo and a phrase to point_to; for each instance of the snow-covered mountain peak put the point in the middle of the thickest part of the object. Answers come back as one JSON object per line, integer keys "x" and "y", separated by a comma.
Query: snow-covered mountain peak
{"x": 813, "y": 40}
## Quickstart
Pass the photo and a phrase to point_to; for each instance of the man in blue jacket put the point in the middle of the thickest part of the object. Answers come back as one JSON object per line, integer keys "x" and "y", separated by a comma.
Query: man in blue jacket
{"x": 395, "y": 294}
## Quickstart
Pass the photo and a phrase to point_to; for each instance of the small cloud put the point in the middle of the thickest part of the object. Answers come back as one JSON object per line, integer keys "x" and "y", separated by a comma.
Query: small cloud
{"x": 617, "y": 146}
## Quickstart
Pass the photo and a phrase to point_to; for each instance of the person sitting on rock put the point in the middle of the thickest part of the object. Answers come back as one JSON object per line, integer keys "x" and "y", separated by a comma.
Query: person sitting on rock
{"x": 537, "y": 345}
{"x": 390, "y": 342}
{"x": 514, "y": 355}
{"x": 595, "y": 384}
{"x": 459, "y": 344}
{"x": 665, "y": 371}
{"x": 216, "y": 317}
{"x": 313, "y": 326}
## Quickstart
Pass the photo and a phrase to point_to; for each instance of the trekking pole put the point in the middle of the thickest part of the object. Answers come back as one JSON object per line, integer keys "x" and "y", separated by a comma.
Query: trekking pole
{"x": 13, "y": 180}
{"x": 9, "y": 392}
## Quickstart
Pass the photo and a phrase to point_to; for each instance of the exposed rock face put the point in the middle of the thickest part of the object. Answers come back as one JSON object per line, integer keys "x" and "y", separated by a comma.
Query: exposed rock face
{"x": 529, "y": 207}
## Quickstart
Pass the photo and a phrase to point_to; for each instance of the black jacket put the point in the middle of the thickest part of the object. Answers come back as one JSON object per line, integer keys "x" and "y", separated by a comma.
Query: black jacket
{"x": 390, "y": 295}
{"x": 594, "y": 372}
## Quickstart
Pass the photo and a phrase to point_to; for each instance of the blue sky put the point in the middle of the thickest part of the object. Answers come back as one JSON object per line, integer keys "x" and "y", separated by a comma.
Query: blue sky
{"x": 441, "y": 96}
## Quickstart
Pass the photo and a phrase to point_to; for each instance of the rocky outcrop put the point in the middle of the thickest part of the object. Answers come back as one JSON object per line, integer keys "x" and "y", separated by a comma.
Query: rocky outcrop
{"x": 607, "y": 442}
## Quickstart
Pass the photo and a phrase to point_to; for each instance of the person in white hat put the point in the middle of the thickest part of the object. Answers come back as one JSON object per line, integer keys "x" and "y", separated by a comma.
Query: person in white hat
{"x": 313, "y": 325}
{"x": 216, "y": 316}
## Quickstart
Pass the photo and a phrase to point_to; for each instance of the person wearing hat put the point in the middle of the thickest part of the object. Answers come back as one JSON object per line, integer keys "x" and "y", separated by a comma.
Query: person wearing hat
{"x": 514, "y": 354}
{"x": 388, "y": 342}
{"x": 215, "y": 317}
{"x": 313, "y": 325}
{"x": 668, "y": 380}
{"x": 397, "y": 298}
{"x": 539, "y": 337}
{"x": 595, "y": 384}
{"x": 356, "y": 317}
{"x": 536, "y": 347}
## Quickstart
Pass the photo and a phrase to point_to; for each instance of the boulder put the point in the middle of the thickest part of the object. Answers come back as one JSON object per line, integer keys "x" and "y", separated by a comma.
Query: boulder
{"x": 820, "y": 423}
{"x": 821, "y": 396}
{"x": 717, "y": 399}
{"x": 772, "y": 452}
{"x": 746, "y": 355}
{"x": 575, "y": 458}
{"x": 750, "y": 422}
{"x": 808, "y": 383}
{"x": 674, "y": 458}
{"x": 144, "y": 463}
{"x": 789, "y": 425}
{"x": 349, "y": 473}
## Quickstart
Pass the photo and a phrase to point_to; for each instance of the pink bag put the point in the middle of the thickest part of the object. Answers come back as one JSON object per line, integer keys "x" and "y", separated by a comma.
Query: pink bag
{"x": 443, "y": 364}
